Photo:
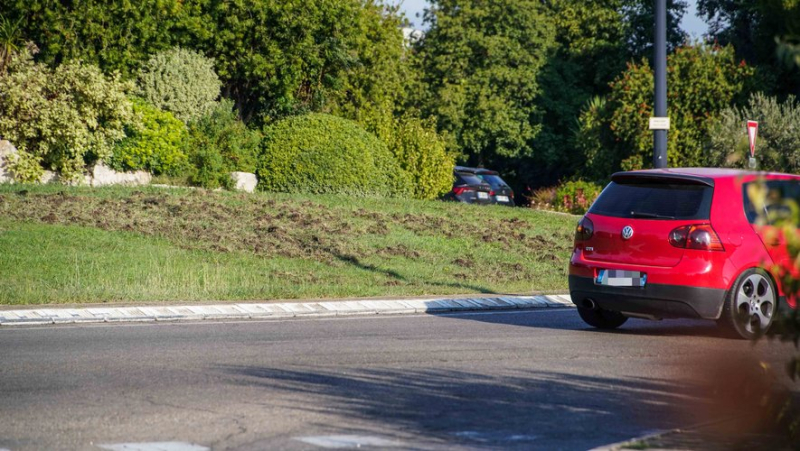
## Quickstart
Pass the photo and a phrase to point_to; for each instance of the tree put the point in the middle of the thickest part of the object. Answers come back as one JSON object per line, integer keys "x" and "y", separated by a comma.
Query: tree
{"x": 480, "y": 64}
{"x": 115, "y": 35}
{"x": 66, "y": 117}
{"x": 702, "y": 80}
{"x": 590, "y": 51}
{"x": 763, "y": 33}
{"x": 180, "y": 81}
{"x": 278, "y": 58}
{"x": 640, "y": 19}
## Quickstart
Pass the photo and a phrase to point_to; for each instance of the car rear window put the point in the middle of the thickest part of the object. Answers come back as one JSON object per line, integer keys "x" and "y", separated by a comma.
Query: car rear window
{"x": 654, "y": 201}
{"x": 493, "y": 180}
{"x": 469, "y": 179}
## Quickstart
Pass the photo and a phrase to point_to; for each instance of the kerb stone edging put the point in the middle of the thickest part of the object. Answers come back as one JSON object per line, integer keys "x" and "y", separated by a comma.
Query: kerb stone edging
{"x": 39, "y": 316}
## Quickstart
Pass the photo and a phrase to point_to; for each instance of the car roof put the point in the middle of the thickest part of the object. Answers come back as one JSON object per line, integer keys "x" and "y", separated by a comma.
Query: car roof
{"x": 470, "y": 170}
{"x": 705, "y": 176}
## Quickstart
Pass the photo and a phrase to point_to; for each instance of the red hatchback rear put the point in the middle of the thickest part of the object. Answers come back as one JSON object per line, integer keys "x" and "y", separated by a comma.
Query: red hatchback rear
{"x": 681, "y": 243}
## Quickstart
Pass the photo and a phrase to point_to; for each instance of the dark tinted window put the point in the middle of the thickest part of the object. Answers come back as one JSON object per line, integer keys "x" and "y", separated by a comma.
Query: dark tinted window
{"x": 466, "y": 178}
{"x": 493, "y": 180}
{"x": 654, "y": 200}
{"x": 780, "y": 199}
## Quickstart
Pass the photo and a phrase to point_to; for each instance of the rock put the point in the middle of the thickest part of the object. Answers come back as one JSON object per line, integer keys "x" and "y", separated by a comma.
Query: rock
{"x": 102, "y": 175}
{"x": 6, "y": 150}
{"x": 244, "y": 181}
{"x": 48, "y": 177}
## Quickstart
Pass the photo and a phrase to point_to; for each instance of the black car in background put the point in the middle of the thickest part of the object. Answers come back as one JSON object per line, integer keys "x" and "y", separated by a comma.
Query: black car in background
{"x": 501, "y": 193}
{"x": 469, "y": 188}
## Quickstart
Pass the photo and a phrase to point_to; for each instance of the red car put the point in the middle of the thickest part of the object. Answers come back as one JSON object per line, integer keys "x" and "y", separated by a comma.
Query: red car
{"x": 684, "y": 243}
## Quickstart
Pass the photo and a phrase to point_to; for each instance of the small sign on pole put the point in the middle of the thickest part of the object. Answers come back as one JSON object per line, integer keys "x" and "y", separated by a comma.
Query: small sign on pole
{"x": 659, "y": 123}
{"x": 752, "y": 133}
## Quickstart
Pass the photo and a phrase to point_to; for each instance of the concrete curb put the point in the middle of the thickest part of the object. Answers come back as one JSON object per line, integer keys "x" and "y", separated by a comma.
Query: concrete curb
{"x": 282, "y": 310}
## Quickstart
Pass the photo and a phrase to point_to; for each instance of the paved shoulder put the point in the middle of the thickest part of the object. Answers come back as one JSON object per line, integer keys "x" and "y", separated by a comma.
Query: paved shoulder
{"x": 279, "y": 310}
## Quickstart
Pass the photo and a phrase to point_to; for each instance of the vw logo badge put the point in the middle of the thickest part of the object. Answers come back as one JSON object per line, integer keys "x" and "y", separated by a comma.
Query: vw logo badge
{"x": 627, "y": 232}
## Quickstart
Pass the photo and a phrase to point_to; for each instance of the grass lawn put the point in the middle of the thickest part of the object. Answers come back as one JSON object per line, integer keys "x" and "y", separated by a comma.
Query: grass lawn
{"x": 89, "y": 245}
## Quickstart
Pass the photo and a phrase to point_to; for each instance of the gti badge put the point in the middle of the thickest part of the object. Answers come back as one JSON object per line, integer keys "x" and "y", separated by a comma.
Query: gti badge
{"x": 627, "y": 232}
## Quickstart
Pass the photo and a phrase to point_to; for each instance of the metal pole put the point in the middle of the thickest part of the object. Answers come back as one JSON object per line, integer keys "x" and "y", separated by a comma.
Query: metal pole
{"x": 660, "y": 50}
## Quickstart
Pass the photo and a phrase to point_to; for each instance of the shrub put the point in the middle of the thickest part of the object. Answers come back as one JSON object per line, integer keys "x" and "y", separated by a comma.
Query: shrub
{"x": 156, "y": 144}
{"x": 180, "y": 81}
{"x": 319, "y": 153}
{"x": 219, "y": 144}
{"x": 702, "y": 80}
{"x": 577, "y": 196}
{"x": 778, "y": 135}
{"x": 542, "y": 198}
{"x": 419, "y": 150}
{"x": 65, "y": 117}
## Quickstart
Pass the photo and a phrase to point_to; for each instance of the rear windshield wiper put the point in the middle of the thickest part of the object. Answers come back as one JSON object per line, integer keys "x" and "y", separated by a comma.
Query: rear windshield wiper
{"x": 639, "y": 214}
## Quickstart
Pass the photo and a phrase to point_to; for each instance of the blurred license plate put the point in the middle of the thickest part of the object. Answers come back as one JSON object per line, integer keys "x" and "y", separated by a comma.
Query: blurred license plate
{"x": 482, "y": 195}
{"x": 620, "y": 278}
{"x": 502, "y": 198}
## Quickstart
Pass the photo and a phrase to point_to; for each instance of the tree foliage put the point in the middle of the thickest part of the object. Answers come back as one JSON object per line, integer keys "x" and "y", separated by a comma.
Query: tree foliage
{"x": 701, "y": 81}
{"x": 116, "y": 35}
{"x": 64, "y": 117}
{"x": 778, "y": 135}
{"x": 278, "y": 58}
{"x": 766, "y": 33}
{"x": 480, "y": 63}
{"x": 274, "y": 57}
{"x": 180, "y": 81}
{"x": 319, "y": 154}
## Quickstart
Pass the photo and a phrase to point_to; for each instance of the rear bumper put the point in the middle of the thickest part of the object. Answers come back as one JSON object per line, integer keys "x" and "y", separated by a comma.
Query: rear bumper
{"x": 663, "y": 301}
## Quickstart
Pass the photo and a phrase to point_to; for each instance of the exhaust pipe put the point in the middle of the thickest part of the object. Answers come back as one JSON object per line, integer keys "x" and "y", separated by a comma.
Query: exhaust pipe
{"x": 589, "y": 303}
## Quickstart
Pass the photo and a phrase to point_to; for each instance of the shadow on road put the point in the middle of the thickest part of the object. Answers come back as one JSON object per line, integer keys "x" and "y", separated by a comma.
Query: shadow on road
{"x": 633, "y": 327}
{"x": 531, "y": 410}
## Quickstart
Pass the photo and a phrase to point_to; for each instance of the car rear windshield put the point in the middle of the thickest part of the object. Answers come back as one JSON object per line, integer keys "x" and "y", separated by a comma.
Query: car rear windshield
{"x": 654, "y": 201}
{"x": 469, "y": 179}
{"x": 493, "y": 180}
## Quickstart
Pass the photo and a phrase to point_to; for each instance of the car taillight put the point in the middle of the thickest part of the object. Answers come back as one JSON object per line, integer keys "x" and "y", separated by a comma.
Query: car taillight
{"x": 491, "y": 193}
{"x": 700, "y": 237}
{"x": 585, "y": 229}
{"x": 511, "y": 193}
{"x": 461, "y": 189}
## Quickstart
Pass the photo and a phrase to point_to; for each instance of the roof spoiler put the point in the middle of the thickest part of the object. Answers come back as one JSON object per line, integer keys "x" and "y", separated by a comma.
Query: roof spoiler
{"x": 660, "y": 177}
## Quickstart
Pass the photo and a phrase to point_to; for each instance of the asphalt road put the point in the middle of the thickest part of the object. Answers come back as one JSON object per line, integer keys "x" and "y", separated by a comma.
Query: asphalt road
{"x": 510, "y": 380}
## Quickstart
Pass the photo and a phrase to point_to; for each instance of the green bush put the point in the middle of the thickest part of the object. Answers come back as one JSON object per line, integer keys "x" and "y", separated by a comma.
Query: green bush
{"x": 219, "y": 144}
{"x": 156, "y": 144}
{"x": 180, "y": 81}
{"x": 419, "y": 150}
{"x": 576, "y": 196}
{"x": 319, "y": 153}
{"x": 65, "y": 117}
{"x": 778, "y": 135}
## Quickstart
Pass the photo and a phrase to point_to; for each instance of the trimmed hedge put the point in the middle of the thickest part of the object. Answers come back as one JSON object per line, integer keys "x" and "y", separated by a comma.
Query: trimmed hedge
{"x": 320, "y": 153}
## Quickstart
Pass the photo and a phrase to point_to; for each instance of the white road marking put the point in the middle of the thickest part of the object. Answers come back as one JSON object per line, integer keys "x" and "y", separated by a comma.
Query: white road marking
{"x": 154, "y": 446}
{"x": 349, "y": 441}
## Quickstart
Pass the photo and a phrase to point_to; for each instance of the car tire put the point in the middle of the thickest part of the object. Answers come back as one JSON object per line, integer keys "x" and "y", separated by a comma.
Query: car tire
{"x": 750, "y": 305}
{"x": 602, "y": 319}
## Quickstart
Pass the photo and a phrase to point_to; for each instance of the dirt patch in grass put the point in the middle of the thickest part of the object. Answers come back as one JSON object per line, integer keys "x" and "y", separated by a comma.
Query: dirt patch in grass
{"x": 420, "y": 243}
